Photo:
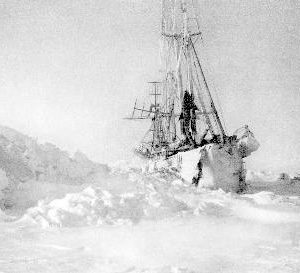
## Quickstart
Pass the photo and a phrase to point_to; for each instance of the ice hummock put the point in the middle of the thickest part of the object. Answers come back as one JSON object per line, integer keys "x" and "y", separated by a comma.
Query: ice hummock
{"x": 23, "y": 159}
{"x": 137, "y": 220}
{"x": 134, "y": 195}
{"x": 131, "y": 218}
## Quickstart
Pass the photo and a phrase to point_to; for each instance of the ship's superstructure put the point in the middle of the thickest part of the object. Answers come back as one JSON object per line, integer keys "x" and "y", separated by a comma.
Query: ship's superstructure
{"x": 182, "y": 111}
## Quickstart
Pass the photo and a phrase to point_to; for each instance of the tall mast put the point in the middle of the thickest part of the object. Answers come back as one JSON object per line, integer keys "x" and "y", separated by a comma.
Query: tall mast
{"x": 188, "y": 69}
{"x": 186, "y": 37}
{"x": 157, "y": 136}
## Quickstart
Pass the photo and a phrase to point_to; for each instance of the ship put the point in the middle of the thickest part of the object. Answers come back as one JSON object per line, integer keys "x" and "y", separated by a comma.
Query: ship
{"x": 186, "y": 131}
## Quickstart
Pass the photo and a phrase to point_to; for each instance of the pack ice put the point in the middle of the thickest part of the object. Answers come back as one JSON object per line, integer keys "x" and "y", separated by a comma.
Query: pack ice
{"x": 62, "y": 213}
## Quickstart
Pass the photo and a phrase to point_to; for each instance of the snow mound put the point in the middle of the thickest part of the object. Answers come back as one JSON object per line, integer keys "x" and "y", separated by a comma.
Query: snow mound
{"x": 153, "y": 196}
{"x": 89, "y": 207}
{"x": 95, "y": 206}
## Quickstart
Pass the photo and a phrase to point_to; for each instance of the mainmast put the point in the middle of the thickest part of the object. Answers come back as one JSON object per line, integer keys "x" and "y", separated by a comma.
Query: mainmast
{"x": 180, "y": 36}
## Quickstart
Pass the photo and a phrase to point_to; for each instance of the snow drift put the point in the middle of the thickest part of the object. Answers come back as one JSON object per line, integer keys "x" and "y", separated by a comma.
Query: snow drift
{"x": 132, "y": 218}
{"x": 142, "y": 195}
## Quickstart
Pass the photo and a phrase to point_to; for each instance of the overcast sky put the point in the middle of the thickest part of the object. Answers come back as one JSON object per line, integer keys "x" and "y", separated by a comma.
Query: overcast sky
{"x": 71, "y": 69}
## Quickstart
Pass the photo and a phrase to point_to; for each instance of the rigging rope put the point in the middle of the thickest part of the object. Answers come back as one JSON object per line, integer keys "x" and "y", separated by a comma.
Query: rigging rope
{"x": 208, "y": 68}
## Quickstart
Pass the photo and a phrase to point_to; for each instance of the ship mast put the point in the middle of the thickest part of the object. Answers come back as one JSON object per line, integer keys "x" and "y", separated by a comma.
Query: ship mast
{"x": 157, "y": 132}
{"x": 188, "y": 63}
{"x": 182, "y": 110}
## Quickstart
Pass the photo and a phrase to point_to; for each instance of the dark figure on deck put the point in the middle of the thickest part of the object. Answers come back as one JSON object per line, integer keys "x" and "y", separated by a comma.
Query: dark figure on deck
{"x": 188, "y": 118}
{"x": 193, "y": 115}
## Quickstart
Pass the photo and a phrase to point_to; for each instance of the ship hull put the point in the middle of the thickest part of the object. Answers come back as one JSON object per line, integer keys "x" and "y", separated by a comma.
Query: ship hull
{"x": 212, "y": 166}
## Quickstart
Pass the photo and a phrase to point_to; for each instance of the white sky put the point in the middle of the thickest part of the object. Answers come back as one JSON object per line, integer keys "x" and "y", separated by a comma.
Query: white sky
{"x": 71, "y": 69}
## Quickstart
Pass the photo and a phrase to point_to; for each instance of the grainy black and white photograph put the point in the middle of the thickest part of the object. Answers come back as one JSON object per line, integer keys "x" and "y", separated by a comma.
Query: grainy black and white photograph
{"x": 149, "y": 136}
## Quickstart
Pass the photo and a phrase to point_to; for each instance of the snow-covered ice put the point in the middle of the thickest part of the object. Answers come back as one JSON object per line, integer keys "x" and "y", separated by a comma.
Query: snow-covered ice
{"x": 128, "y": 218}
{"x": 151, "y": 222}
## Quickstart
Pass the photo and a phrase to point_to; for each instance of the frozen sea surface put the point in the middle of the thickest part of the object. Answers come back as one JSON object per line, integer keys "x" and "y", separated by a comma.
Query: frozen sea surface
{"x": 134, "y": 221}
